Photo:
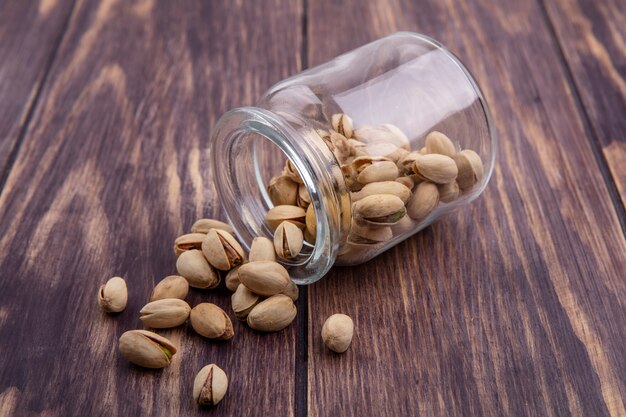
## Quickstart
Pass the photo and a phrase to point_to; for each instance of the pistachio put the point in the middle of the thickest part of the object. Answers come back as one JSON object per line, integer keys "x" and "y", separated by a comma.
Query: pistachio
{"x": 278, "y": 214}
{"x": 423, "y": 151}
{"x": 378, "y": 171}
{"x": 437, "y": 142}
{"x": 437, "y": 168}
{"x": 310, "y": 232}
{"x": 187, "y": 242}
{"x": 368, "y": 234}
{"x": 193, "y": 266}
{"x": 359, "y": 163}
{"x": 282, "y": 190}
{"x": 232, "y": 277}
{"x": 340, "y": 146}
{"x": 262, "y": 249}
{"x": 400, "y": 139}
{"x": 380, "y": 209}
{"x": 212, "y": 322}
{"x": 172, "y": 286}
{"x": 448, "y": 192}
{"x": 272, "y": 314}
{"x": 210, "y": 385}
{"x": 424, "y": 200}
{"x": 470, "y": 168}
{"x": 222, "y": 250}
{"x": 264, "y": 277}
{"x": 113, "y": 296}
{"x": 166, "y": 313}
{"x": 383, "y": 187}
{"x": 146, "y": 349}
{"x": 292, "y": 291}
{"x": 405, "y": 225}
{"x": 405, "y": 165}
{"x": 406, "y": 181}
{"x": 243, "y": 301}
{"x": 204, "y": 225}
{"x": 292, "y": 172}
{"x": 303, "y": 199}
{"x": 337, "y": 332}
{"x": 288, "y": 240}
{"x": 342, "y": 123}
{"x": 384, "y": 133}
{"x": 324, "y": 134}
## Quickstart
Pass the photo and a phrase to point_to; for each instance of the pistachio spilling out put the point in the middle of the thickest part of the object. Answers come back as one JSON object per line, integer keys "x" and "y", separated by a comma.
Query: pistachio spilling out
{"x": 283, "y": 190}
{"x": 146, "y": 349}
{"x": 288, "y": 240}
{"x": 212, "y": 322}
{"x": 193, "y": 266}
{"x": 424, "y": 200}
{"x": 337, "y": 332}
{"x": 222, "y": 250}
{"x": 437, "y": 142}
{"x": 204, "y": 225}
{"x": 172, "y": 286}
{"x": 210, "y": 385}
{"x": 187, "y": 242}
{"x": 470, "y": 168}
{"x": 272, "y": 314}
{"x": 380, "y": 209}
{"x": 264, "y": 277}
{"x": 262, "y": 249}
{"x": 278, "y": 214}
{"x": 243, "y": 301}
{"x": 166, "y": 313}
{"x": 113, "y": 296}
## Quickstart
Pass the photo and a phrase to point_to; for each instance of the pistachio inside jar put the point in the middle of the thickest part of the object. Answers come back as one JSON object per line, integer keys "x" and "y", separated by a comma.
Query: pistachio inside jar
{"x": 355, "y": 155}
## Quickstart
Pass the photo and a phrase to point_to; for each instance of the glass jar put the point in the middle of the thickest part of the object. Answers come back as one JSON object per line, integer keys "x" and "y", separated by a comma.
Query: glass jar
{"x": 380, "y": 142}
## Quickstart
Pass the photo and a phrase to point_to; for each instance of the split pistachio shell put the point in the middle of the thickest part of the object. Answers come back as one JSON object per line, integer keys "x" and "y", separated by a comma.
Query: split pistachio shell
{"x": 222, "y": 250}
{"x": 292, "y": 172}
{"x": 187, "y": 242}
{"x": 470, "y": 168}
{"x": 278, "y": 214}
{"x": 146, "y": 349}
{"x": 424, "y": 200}
{"x": 194, "y": 267}
{"x": 113, "y": 296}
{"x": 448, "y": 192}
{"x": 304, "y": 199}
{"x": 378, "y": 171}
{"x": 212, "y": 322}
{"x": 172, "y": 286}
{"x": 342, "y": 123}
{"x": 437, "y": 168}
{"x": 243, "y": 301}
{"x": 166, "y": 313}
{"x": 232, "y": 277}
{"x": 210, "y": 385}
{"x": 292, "y": 291}
{"x": 310, "y": 232}
{"x": 337, "y": 332}
{"x": 381, "y": 209}
{"x": 288, "y": 240}
{"x": 262, "y": 249}
{"x": 283, "y": 190}
{"x": 272, "y": 314}
{"x": 264, "y": 277}
{"x": 383, "y": 187}
{"x": 405, "y": 165}
{"x": 437, "y": 142}
{"x": 204, "y": 225}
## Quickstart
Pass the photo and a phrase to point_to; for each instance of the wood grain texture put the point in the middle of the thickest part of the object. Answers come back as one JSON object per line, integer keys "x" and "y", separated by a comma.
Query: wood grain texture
{"x": 593, "y": 39}
{"x": 514, "y": 306}
{"x": 112, "y": 170}
{"x": 29, "y": 34}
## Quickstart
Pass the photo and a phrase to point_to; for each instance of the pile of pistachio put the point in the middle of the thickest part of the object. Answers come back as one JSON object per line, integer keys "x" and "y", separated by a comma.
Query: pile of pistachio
{"x": 264, "y": 296}
{"x": 393, "y": 188}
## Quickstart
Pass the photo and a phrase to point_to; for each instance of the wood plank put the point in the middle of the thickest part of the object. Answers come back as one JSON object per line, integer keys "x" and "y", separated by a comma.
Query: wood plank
{"x": 592, "y": 34}
{"x": 29, "y": 34}
{"x": 514, "y": 306}
{"x": 113, "y": 170}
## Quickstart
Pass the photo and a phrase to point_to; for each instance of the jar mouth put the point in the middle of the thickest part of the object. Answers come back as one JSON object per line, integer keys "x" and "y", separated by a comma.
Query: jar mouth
{"x": 247, "y": 143}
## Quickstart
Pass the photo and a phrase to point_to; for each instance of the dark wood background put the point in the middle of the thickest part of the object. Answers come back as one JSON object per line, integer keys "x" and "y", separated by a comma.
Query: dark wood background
{"x": 512, "y": 307}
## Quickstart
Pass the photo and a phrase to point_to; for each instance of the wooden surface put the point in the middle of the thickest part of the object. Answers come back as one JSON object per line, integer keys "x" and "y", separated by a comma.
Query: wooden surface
{"x": 513, "y": 307}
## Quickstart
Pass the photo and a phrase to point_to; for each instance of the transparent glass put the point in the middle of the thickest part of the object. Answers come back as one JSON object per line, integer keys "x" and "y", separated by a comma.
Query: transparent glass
{"x": 395, "y": 91}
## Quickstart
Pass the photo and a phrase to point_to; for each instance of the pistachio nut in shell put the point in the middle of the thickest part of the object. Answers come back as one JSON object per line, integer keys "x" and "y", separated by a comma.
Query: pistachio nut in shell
{"x": 172, "y": 286}
{"x": 406, "y": 181}
{"x": 405, "y": 164}
{"x": 264, "y": 277}
{"x": 342, "y": 123}
{"x": 400, "y": 139}
{"x": 292, "y": 172}
{"x": 366, "y": 233}
{"x": 278, "y": 214}
{"x": 204, "y": 225}
{"x": 146, "y": 349}
{"x": 243, "y": 301}
{"x": 272, "y": 314}
{"x": 193, "y": 266}
{"x": 165, "y": 313}
{"x": 304, "y": 199}
{"x": 470, "y": 168}
{"x": 437, "y": 142}
{"x": 437, "y": 168}
{"x": 337, "y": 332}
{"x": 292, "y": 291}
{"x": 288, "y": 240}
{"x": 382, "y": 209}
{"x": 187, "y": 242}
{"x": 378, "y": 171}
{"x": 222, "y": 250}
{"x": 262, "y": 249}
{"x": 282, "y": 190}
{"x": 232, "y": 277}
{"x": 311, "y": 224}
{"x": 212, "y": 322}
{"x": 210, "y": 385}
{"x": 383, "y": 187}
{"x": 424, "y": 200}
{"x": 113, "y": 296}
{"x": 448, "y": 192}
